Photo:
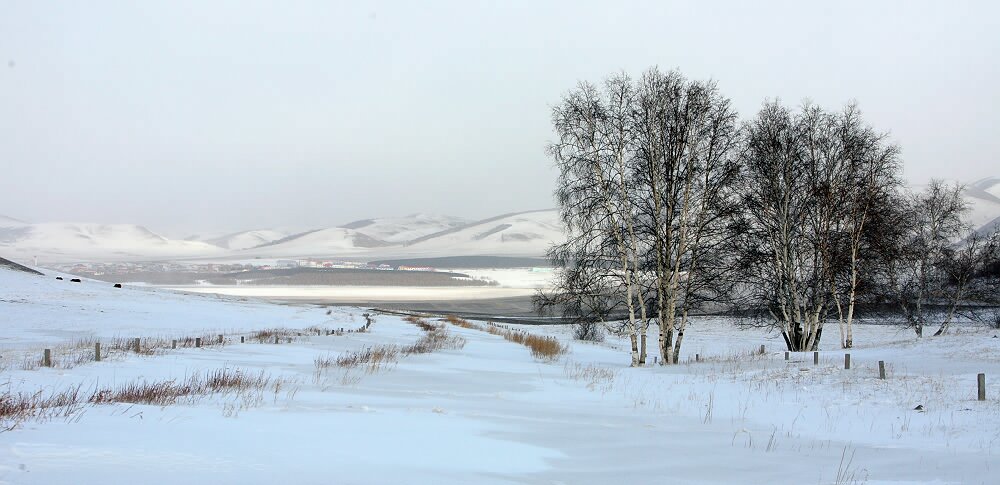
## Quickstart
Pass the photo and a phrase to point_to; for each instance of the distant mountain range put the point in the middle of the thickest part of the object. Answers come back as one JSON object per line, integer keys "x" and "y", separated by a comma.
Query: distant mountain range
{"x": 527, "y": 234}
{"x": 523, "y": 234}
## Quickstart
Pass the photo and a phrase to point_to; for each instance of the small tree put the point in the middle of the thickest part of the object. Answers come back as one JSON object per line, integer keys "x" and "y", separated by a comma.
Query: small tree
{"x": 916, "y": 260}
{"x": 966, "y": 268}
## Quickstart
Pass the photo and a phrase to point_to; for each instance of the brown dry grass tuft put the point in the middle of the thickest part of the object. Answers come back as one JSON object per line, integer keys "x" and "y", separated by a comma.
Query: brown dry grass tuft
{"x": 15, "y": 408}
{"x": 163, "y": 393}
{"x": 372, "y": 358}
{"x": 542, "y": 347}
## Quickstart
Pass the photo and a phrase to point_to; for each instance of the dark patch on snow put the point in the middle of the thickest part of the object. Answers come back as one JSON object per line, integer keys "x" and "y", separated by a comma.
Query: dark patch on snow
{"x": 6, "y": 263}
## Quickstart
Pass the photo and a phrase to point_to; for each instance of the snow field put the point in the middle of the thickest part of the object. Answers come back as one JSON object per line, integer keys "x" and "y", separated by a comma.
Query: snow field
{"x": 489, "y": 412}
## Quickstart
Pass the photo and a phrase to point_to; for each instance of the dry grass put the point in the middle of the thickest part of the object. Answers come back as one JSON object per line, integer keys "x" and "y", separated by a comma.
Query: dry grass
{"x": 16, "y": 408}
{"x": 435, "y": 339}
{"x": 542, "y": 347}
{"x": 372, "y": 359}
{"x": 452, "y": 319}
{"x": 269, "y": 335}
{"x": 163, "y": 393}
{"x": 597, "y": 378}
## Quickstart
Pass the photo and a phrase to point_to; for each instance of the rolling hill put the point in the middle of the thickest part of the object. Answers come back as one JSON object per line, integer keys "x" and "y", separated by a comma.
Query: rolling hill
{"x": 517, "y": 234}
{"x": 405, "y": 229}
{"x": 83, "y": 242}
{"x": 522, "y": 235}
{"x": 247, "y": 239}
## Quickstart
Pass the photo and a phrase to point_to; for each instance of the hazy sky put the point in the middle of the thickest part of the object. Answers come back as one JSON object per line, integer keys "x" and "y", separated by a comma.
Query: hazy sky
{"x": 198, "y": 116}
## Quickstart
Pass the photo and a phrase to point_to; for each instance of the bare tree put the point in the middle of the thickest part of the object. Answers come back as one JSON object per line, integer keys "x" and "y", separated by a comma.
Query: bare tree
{"x": 929, "y": 224}
{"x": 813, "y": 184}
{"x": 646, "y": 190}
{"x": 688, "y": 140}
{"x": 965, "y": 268}
{"x": 592, "y": 153}
{"x": 868, "y": 181}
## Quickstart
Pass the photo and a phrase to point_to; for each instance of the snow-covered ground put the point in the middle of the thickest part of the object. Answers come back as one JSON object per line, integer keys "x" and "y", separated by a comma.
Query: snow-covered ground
{"x": 488, "y": 412}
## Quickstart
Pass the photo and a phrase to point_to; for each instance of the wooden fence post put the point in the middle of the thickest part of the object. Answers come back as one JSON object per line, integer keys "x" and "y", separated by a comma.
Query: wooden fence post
{"x": 697, "y": 357}
{"x": 97, "y": 352}
{"x": 815, "y": 358}
{"x": 242, "y": 339}
{"x": 847, "y": 361}
{"x": 881, "y": 369}
{"x": 197, "y": 342}
{"x": 47, "y": 358}
{"x": 276, "y": 339}
{"x": 173, "y": 344}
{"x": 762, "y": 350}
{"x": 220, "y": 339}
{"x": 981, "y": 384}
{"x": 136, "y": 345}
{"x": 786, "y": 355}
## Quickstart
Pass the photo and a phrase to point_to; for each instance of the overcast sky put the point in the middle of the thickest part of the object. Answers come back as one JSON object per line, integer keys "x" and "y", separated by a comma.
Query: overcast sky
{"x": 214, "y": 116}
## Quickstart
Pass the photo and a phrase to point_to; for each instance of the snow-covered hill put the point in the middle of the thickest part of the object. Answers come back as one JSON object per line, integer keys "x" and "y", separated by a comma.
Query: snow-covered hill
{"x": 82, "y": 241}
{"x": 983, "y": 197}
{"x": 247, "y": 239}
{"x": 321, "y": 242}
{"x": 518, "y": 234}
{"x": 405, "y": 229}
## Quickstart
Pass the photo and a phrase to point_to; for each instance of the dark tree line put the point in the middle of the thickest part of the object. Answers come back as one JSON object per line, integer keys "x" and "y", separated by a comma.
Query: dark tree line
{"x": 674, "y": 206}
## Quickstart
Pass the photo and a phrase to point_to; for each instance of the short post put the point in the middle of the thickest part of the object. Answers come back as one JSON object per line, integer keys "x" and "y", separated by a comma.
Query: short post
{"x": 761, "y": 350}
{"x": 276, "y": 339}
{"x": 47, "y": 358}
{"x": 173, "y": 344}
{"x": 654, "y": 359}
{"x": 242, "y": 339}
{"x": 786, "y": 355}
{"x": 197, "y": 342}
{"x": 881, "y": 369}
{"x": 289, "y": 340}
{"x": 981, "y": 381}
{"x": 815, "y": 358}
{"x": 847, "y": 361}
{"x": 136, "y": 345}
{"x": 697, "y": 357}
{"x": 220, "y": 339}
{"x": 97, "y": 352}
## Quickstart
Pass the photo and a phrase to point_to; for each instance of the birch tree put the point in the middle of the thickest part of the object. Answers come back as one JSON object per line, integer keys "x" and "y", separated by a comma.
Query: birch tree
{"x": 646, "y": 189}
{"x": 930, "y": 223}
{"x": 592, "y": 153}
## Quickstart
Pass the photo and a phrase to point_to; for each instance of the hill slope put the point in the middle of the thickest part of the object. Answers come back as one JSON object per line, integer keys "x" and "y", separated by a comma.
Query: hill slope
{"x": 983, "y": 197}
{"x": 81, "y": 241}
{"x": 405, "y": 229}
{"x": 518, "y": 234}
{"x": 247, "y": 239}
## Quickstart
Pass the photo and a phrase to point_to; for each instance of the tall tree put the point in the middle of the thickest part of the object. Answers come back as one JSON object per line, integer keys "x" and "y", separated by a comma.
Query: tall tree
{"x": 813, "y": 185}
{"x": 646, "y": 190}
